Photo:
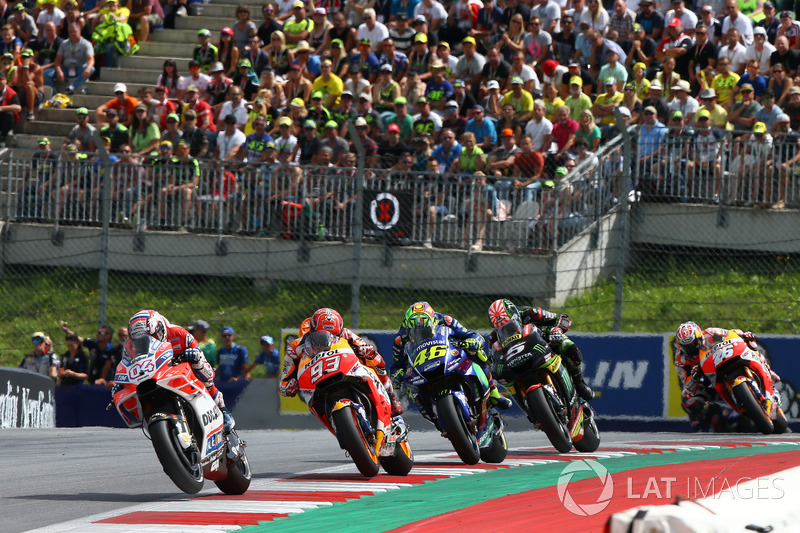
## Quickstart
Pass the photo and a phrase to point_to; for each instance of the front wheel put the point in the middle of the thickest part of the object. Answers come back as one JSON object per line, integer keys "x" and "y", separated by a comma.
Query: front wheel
{"x": 239, "y": 475}
{"x": 464, "y": 442}
{"x": 182, "y": 468}
{"x": 400, "y": 462}
{"x": 543, "y": 411}
{"x": 780, "y": 424}
{"x": 752, "y": 408}
{"x": 496, "y": 452}
{"x": 351, "y": 436}
{"x": 591, "y": 436}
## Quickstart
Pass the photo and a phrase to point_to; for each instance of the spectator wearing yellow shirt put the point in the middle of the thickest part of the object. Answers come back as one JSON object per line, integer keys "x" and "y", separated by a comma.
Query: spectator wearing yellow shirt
{"x": 299, "y": 28}
{"x": 724, "y": 82}
{"x": 719, "y": 115}
{"x": 641, "y": 83}
{"x": 577, "y": 101}
{"x": 605, "y": 103}
{"x": 329, "y": 84}
{"x": 520, "y": 99}
{"x": 552, "y": 101}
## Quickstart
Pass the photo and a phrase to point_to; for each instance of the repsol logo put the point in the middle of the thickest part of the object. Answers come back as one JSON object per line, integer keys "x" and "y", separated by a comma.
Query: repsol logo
{"x": 210, "y": 416}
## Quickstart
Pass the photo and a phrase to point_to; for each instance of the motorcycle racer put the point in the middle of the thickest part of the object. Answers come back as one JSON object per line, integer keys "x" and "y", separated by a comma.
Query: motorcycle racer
{"x": 327, "y": 319}
{"x": 696, "y": 390}
{"x": 553, "y": 326}
{"x": 149, "y": 323}
{"x": 421, "y": 314}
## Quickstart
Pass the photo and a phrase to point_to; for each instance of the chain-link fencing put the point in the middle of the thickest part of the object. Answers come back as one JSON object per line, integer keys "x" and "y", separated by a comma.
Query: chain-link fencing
{"x": 647, "y": 231}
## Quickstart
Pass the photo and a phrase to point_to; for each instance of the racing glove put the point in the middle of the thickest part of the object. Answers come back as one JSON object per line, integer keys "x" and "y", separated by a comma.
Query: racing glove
{"x": 749, "y": 336}
{"x": 192, "y": 355}
{"x": 397, "y": 378}
{"x": 474, "y": 347}
{"x": 289, "y": 387}
{"x": 556, "y": 335}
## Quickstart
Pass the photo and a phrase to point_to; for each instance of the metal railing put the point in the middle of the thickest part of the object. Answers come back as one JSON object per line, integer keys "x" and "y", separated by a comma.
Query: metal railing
{"x": 278, "y": 200}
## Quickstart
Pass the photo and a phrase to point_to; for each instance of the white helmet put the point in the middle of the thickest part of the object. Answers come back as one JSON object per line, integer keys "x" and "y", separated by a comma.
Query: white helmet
{"x": 147, "y": 322}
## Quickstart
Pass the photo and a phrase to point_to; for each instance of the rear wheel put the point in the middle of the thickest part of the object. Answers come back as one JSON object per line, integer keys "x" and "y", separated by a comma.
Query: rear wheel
{"x": 752, "y": 408}
{"x": 182, "y": 467}
{"x": 464, "y": 442}
{"x": 591, "y": 436}
{"x": 780, "y": 424}
{"x": 400, "y": 462}
{"x": 496, "y": 452}
{"x": 544, "y": 413}
{"x": 350, "y": 434}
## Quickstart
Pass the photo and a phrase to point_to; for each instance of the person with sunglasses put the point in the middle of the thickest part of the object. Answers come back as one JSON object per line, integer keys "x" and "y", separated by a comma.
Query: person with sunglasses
{"x": 101, "y": 351}
{"x": 41, "y": 359}
{"x": 268, "y": 26}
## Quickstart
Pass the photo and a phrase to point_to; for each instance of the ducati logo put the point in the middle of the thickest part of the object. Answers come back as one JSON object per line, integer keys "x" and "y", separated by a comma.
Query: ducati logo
{"x": 384, "y": 211}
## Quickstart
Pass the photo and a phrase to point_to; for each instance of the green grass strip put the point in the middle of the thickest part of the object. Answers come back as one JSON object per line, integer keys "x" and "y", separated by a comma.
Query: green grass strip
{"x": 396, "y": 508}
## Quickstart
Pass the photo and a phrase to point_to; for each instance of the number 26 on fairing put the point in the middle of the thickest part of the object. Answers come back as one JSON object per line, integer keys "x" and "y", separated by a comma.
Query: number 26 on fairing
{"x": 324, "y": 366}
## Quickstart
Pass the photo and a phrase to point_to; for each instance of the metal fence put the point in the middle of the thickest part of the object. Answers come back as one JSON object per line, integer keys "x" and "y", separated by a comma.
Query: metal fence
{"x": 683, "y": 218}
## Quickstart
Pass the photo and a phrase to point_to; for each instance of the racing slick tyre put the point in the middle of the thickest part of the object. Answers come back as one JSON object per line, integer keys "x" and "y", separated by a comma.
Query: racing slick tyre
{"x": 780, "y": 424}
{"x": 754, "y": 411}
{"x": 541, "y": 408}
{"x": 591, "y": 436}
{"x": 464, "y": 442}
{"x": 350, "y": 434}
{"x": 182, "y": 467}
{"x": 400, "y": 462}
{"x": 496, "y": 452}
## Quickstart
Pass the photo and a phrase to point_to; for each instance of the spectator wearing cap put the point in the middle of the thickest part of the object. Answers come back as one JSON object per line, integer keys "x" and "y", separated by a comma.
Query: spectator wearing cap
{"x": 41, "y": 359}
{"x": 24, "y": 25}
{"x": 218, "y": 87}
{"x": 122, "y": 103}
{"x": 453, "y": 120}
{"x": 161, "y": 105}
{"x": 232, "y": 358}
{"x": 738, "y": 21}
{"x": 26, "y": 80}
{"x": 752, "y": 77}
{"x": 402, "y": 118}
{"x": 344, "y": 112}
{"x": 754, "y": 168}
{"x": 74, "y": 366}
{"x": 372, "y": 159}
{"x": 268, "y": 356}
{"x": 470, "y": 66}
{"x": 365, "y": 60}
{"x": 172, "y": 132}
{"x": 392, "y": 147}
{"x": 482, "y": 129}
{"x": 297, "y": 29}
{"x": 719, "y": 115}
{"x": 420, "y": 58}
{"x": 332, "y": 140}
{"x": 651, "y": 19}
{"x": 372, "y": 29}
{"x": 683, "y": 102}
{"x": 605, "y": 103}
{"x": 761, "y": 50}
{"x": 724, "y": 82}
{"x": 205, "y": 53}
{"x": 247, "y": 80}
{"x": 196, "y": 137}
{"x": 425, "y": 122}
{"x": 196, "y": 78}
{"x": 639, "y": 47}
{"x": 329, "y": 84}
{"x": 675, "y": 45}
{"x": 553, "y": 72}
{"x": 34, "y": 193}
{"x": 613, "y": 69}
{"x": 600, "y": 52}
{"x": 792, "y": 107}
{"x": 398, "y": 60}
{"x": 688, "y": 18}
{"x": 672, "y": 155}
{"x": 438, "y": 90}
{"x": 199, "y": 329}
{"x": 145, "y": 133}
{"x": 743, "y": 113}
{"x": 784, "y": 157}
{"x": 402, "y": 34}
{"x": 82, "y": 132}
{"x": 520, "y": 99}
{"x": 577, "y": 100}
{"x": 116, "y": 132}
{"x": 770, "y": 22}
{"x": 201, "y": 109}
{"x": 74, "y": 61}
{"x": 491, "y": 103}
{"x": 229, "y": 53}
{"x": 501, "y": 160}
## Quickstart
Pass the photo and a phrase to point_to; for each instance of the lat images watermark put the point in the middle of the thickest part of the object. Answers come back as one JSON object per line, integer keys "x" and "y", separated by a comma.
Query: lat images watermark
{"x": 595, "y": 500}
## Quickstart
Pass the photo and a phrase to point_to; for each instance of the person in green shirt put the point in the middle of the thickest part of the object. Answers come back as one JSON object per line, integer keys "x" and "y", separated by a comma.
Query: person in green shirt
{"x": 577, "y": 101}
{"x": 206, "y": 345}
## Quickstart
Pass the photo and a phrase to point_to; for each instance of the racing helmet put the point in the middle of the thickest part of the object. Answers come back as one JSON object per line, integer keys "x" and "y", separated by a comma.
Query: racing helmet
{"x": 147, "y": 322}
{"x": 415, "y": 310}
{"x": 420, "y": 326}
{"x": 318, "y": 342}
{"x": 503, "y": 311}
{"x": 327, "y": 319}
{"x": 305, "y": 326}
{"x": 690, "y": 338}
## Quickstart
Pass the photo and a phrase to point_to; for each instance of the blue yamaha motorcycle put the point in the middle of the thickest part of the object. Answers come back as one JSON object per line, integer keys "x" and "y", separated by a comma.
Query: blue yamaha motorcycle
{"x": 452, "y": 392}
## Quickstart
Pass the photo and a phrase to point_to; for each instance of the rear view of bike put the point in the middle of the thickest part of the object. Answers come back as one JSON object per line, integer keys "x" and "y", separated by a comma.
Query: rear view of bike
{"x": 543, "y": 388}
{"x": 452, "y": 392}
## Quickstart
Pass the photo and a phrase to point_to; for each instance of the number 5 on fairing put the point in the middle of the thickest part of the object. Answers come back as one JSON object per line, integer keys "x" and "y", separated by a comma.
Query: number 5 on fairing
{"x": 324, "y": 366}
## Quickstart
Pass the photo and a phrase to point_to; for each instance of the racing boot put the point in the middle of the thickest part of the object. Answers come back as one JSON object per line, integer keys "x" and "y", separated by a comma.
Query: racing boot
{"x": 397, "y": 407}
{"x": 573, "y": 359}
{"x": 227, "y": 417}
{"x": 496, "y": 399}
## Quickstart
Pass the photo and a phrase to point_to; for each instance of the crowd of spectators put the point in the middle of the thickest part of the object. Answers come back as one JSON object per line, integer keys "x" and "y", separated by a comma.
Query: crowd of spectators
{"x": 96, "y": 364}
{"x": 500, "y": 95}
